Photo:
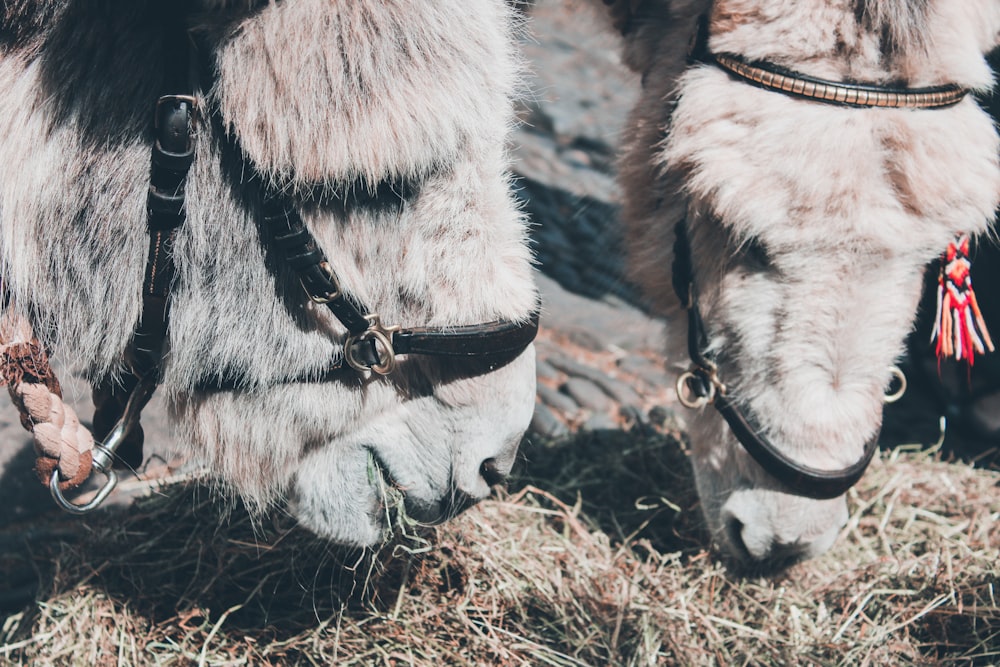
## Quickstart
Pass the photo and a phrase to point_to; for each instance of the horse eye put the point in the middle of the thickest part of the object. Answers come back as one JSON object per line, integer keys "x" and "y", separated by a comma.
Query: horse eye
{"x": 754, "y": 255}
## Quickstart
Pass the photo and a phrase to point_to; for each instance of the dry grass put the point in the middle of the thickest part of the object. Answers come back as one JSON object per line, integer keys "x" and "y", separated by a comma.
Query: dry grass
{"x": 599, "y": 559}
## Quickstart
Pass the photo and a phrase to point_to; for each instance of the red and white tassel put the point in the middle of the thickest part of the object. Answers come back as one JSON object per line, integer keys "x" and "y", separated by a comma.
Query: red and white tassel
{"x": 959, "y": 329}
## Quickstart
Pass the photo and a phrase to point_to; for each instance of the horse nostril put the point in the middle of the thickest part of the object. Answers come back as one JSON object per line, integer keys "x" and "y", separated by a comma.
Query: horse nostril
{"x": 490, "y": 473}
{"x": 734, "y": 534}
{"x": 759, "y": 553}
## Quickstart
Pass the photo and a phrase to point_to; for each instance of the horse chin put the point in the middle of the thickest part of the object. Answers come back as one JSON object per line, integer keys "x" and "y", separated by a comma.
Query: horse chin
{"x": 342, "y": 496}
{"x": 427, "y": 459}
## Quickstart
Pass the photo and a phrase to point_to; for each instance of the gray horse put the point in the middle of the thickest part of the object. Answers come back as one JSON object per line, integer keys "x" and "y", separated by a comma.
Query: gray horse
{"x": 819, "y": 153}
{"x": 382, "y": 124}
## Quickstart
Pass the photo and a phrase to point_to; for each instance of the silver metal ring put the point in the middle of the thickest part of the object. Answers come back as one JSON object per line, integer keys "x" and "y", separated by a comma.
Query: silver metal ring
{"x": 687, "y": 398}
{"x": 65, "y": 504}
{"x": 900, "y": 377}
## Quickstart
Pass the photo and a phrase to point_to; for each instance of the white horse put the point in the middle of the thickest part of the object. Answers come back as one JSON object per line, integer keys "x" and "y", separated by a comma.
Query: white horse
{"x": 808, "y": 227}
{"x": 383, "y": 123}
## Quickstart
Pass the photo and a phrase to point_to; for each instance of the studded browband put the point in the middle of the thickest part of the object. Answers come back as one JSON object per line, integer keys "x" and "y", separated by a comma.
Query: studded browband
{"x": 769, "y": 76}
{"x": 772, "y": 77}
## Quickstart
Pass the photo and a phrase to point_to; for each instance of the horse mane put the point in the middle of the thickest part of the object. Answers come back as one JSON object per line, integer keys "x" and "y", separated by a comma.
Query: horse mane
{"x": 902, "y": 23}
{"x": 22, "y": 20}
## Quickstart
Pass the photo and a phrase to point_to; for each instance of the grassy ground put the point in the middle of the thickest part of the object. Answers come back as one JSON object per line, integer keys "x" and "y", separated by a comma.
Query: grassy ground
{"x": 598, "y": 559}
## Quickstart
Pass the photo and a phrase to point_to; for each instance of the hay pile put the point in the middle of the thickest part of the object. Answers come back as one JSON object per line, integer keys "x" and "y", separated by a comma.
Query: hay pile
{"x": 598, "y": 559}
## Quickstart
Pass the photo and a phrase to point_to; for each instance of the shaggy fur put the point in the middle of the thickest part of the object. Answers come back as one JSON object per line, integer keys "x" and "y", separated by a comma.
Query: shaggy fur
{"x": 810, "y": 225}
{"x": 388, "y": 119}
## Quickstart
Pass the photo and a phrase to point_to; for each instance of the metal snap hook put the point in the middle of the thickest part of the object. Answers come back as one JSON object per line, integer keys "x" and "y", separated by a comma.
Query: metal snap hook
{"x": 104, "y": 452}
{"x": 102, "y": 493}
{"x": 897, "y": 377}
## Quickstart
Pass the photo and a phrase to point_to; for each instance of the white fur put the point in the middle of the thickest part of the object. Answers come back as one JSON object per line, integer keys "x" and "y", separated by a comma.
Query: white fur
{"x": 849, "y": 204}
{"x": 332, "y": 100}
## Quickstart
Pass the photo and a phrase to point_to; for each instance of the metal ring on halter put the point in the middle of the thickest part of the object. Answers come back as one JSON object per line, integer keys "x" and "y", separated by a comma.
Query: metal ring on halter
{"x": 900, "y": 377}
{"x": 333, "y": 293}
{"x": 689, "y": 398}
{"x": 382, "y": 337}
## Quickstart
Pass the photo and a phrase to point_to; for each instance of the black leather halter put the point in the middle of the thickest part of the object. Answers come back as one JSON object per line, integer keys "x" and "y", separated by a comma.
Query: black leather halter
{"x": 370, "y": 345}
{"x": 703, "y": 382}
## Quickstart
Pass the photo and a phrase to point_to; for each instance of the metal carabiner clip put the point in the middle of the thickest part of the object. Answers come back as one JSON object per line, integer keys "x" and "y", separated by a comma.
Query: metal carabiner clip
{"x": 104, "y": 452}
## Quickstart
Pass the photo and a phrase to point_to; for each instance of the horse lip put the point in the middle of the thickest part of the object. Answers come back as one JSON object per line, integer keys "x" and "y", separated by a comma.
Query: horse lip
{"x": 439, "y": 512}
{"x": 382, "y": 469}
{"x": 430, "y": 513}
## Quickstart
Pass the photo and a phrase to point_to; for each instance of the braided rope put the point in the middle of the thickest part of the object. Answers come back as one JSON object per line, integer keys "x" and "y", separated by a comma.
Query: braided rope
{"x": 61, "y": 442}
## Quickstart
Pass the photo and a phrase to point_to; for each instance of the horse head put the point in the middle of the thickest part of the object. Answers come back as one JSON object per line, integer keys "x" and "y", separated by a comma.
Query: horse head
{"x": 806, "y": 226}
{"x": 384, "y": 123}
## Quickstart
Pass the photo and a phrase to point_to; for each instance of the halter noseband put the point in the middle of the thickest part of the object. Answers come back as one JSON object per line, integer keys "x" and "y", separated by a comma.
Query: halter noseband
{"x": 701, "y": 384}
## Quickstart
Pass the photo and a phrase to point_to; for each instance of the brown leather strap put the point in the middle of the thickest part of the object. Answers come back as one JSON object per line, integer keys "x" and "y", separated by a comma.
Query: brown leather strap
{"x": 769, "y": 76}
{"x": 499, "y": 338}
{"x": 171, "y": 159}
{"x": 803, "y": 480}
{"x": 302, "y": 254}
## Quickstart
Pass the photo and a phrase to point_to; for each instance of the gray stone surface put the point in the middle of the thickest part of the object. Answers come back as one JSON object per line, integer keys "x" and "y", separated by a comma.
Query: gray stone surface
{"x": 545, "y": 423}
{"x": 564, "y": 152}
{"x": 558, "y": 400}
{"x": 587, "y": 394}
{"x": 649, "y": 370}
{"x": 596, "y": 324}
{"x": 601, "y": 422}
{"x": 545, "y": 370}
{"x": 616, "y": 389}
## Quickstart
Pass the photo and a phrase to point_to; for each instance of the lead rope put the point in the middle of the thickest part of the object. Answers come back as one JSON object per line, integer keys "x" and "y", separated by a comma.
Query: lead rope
{"x": 63, "y": 446}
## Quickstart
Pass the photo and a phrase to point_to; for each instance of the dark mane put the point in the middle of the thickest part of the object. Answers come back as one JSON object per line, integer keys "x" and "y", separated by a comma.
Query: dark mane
{"x": 23, "y": 20}
{"x": 901, "y": 23}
